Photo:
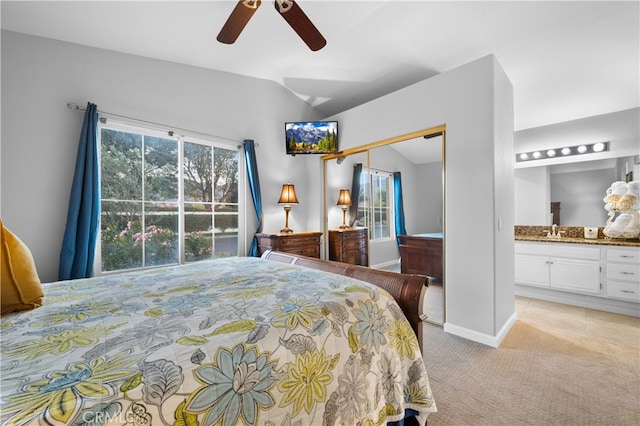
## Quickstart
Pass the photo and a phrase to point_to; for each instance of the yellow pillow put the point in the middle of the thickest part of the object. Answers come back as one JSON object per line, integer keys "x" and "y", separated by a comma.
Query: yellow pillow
{"x": 21, "y": 287}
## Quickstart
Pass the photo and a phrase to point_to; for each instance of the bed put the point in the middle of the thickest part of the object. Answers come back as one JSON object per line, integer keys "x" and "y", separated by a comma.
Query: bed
{"x": 421, "y": 254}
{"x": 282, "y": 340}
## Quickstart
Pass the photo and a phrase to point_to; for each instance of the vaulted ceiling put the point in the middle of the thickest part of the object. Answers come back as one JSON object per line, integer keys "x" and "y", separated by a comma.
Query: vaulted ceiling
{"x": 566, "y": 60}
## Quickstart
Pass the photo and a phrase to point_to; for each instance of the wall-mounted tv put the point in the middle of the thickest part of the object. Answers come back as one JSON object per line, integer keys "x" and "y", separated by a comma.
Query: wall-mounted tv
{"x": 311, "y": 137}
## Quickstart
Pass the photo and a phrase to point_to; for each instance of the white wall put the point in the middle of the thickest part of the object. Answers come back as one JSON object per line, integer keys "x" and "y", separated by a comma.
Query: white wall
{"x": 475, "y": 102}
{"x": 429, "y": 201}
{"x": 40, "y": 134}
{"x": 503, "y": 193}
{"x": 532, "y": 196}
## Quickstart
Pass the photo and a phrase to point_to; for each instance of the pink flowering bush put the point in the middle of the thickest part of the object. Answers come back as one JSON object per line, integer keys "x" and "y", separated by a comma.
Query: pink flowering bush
{"x": 161, "y": 245}
{"x": 197, "y": 246}
{"x": 123, "y": 248}
{"x": 118, "y": 251}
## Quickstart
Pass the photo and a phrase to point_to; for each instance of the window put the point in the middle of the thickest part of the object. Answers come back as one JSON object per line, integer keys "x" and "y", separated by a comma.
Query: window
{"x": 165, "y": 199}
{"x": 375, "y": 204}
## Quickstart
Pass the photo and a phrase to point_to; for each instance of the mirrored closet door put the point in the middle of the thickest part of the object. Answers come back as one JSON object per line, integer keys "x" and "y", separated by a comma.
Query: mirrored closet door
{"x": 406, "y": 236}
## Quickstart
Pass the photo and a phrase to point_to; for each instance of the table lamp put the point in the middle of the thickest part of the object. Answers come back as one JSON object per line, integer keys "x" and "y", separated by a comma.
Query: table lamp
{"x": 344, "y": 200}
{"x": 288, "y": 196}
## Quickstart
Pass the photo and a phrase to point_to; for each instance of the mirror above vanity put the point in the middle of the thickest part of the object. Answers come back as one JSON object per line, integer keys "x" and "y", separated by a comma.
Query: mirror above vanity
{"x": 578, "y": 187}
{"x": 577, "y": 181}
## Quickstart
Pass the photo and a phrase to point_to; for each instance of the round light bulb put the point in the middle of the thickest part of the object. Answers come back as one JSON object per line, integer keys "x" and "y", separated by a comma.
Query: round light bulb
{"x": 582, "y": 149}
{"x": 524, "y": 156}
{"x": 566, "y": 151}
{"x": 537, "y": 154}
{"x": 598, "y": 147}
{"x": 551, "y": 153}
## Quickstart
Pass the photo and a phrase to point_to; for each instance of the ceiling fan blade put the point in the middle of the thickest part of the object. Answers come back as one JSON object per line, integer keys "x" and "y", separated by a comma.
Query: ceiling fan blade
{"x": 238, "y": 19}
{"x": 300, "y": 23}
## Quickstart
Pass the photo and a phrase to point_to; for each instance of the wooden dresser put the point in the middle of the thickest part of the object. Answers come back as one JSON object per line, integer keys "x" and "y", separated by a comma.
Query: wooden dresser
{"x": 349, "y": 246}
{"x": 302, "y": 243}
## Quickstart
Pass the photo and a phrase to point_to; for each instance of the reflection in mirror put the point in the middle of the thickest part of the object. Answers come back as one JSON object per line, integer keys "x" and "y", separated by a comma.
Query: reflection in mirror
{"x": 565, "y": 194}
{"x": 339, "y": 175}
{"x": 417, "y": 163}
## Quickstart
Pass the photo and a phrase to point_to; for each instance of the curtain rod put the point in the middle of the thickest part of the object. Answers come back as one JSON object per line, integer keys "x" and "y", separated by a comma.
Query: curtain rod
{"x": 162, "y": 127}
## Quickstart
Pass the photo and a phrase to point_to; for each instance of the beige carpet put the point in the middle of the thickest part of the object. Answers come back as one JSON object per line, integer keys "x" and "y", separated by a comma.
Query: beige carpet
{"x": 535, "y": 377}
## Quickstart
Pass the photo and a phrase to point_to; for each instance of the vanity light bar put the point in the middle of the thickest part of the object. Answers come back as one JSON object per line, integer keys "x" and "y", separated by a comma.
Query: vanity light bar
{"x": 562, "y": 152}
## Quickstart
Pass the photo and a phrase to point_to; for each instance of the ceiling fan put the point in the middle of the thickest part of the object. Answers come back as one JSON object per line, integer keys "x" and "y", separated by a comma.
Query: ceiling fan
{"x": 288, "y": 9}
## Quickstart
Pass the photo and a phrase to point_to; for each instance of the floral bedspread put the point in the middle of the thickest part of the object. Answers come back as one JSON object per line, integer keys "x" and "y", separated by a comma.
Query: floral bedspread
{"x": 231, "y": 341}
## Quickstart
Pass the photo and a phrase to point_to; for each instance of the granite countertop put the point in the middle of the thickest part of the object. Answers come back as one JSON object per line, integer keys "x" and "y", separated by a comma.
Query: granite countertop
{"x": 570, "y": 235}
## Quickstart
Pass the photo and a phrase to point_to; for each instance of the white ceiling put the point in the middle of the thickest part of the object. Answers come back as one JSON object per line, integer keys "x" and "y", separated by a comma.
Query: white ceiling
{"x": 566, "y": 60}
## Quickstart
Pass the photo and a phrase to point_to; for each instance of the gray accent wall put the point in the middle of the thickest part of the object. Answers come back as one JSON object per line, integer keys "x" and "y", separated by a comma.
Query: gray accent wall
{"x": 40, "y": 134}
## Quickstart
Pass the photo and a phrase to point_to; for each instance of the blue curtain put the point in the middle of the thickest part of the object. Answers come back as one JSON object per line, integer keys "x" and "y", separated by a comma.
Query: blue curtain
{"x": 398, "y": 206}
{"x": 254, "y": 184}
{"x": 79, "y": 242}
{"x": 355, "y": 193}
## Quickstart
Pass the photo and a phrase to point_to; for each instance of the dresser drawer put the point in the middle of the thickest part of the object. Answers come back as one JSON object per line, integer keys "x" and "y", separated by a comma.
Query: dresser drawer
{"x": 305, "y": 251}
{"x": 625, "y": 291}
{"x": 624, "y": 272}
{"x": 629, "y": 255}
{"x": 290, "y": 243}
{"x": 300, "y": 243}
{"x": 354, "y": 244}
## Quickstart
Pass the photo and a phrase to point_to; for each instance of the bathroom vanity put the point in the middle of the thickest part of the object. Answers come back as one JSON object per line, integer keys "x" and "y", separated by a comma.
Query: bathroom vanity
{"x": 600, "y": 273}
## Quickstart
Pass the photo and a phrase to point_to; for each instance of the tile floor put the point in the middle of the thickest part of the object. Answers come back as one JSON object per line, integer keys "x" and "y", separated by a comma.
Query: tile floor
{"x": 606, "y": 326}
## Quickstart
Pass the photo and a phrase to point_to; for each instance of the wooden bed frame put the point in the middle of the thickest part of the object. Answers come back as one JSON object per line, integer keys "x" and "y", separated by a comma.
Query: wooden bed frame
{"x": 407, "y": 289}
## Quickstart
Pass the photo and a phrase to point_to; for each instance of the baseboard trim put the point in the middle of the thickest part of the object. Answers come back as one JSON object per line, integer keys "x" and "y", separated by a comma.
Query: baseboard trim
{"x": 485, "y": 339}
{"x": 385, "y": 265}
{"x": 582, "y": 300}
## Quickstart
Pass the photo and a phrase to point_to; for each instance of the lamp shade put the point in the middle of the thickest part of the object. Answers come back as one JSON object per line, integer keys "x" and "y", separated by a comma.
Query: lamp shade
{"x": 344, "y": 198}
{"x": 288, "y": 195}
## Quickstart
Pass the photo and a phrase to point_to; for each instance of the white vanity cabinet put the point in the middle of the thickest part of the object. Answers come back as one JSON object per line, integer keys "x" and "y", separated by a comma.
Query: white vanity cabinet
{"x": 558, "y": 266}
{"x": 531, "y": 269}
{"x": 600, "y": 276}
{"x": 623, "y": 273}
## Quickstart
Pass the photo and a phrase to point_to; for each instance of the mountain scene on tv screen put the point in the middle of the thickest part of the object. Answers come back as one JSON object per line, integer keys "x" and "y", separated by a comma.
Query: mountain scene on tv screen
{"x": 312, "y": 138}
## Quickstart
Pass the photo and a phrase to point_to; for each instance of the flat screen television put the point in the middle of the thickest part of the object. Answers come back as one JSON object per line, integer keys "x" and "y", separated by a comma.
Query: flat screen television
{"x": 311, "y": 137}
